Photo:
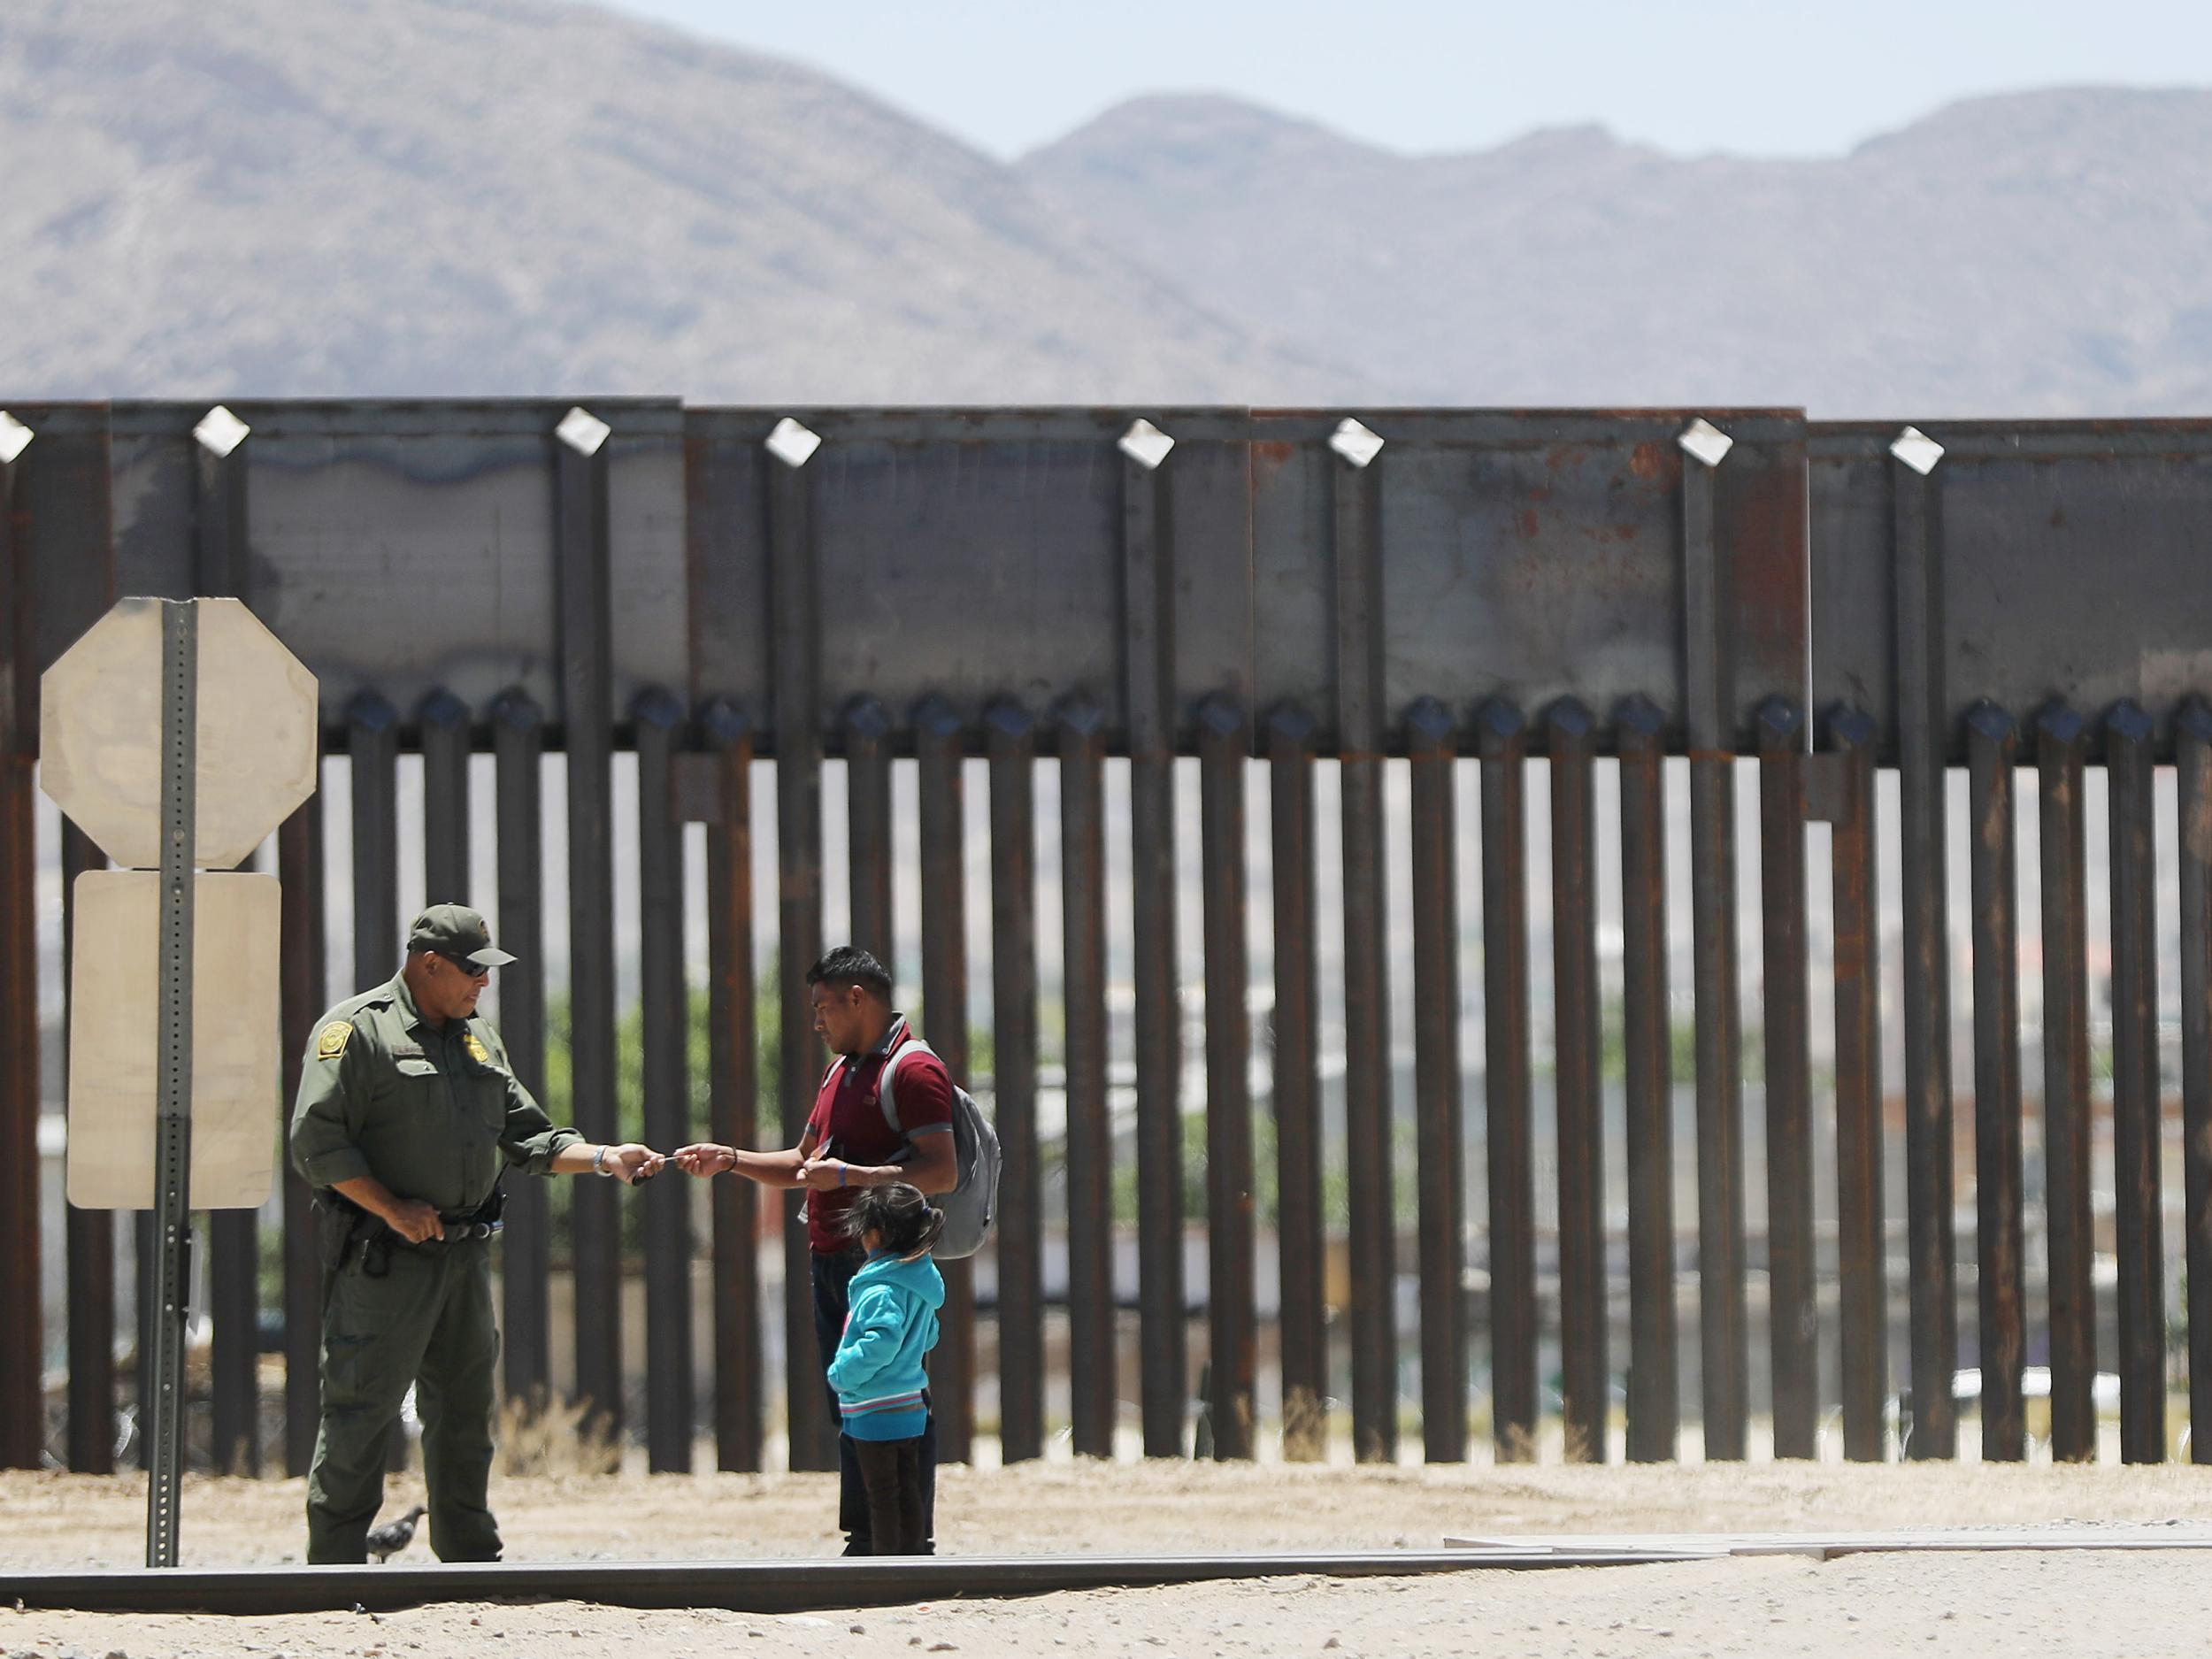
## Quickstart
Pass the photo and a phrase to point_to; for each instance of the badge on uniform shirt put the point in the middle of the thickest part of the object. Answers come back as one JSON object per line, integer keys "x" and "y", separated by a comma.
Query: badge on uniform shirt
{"x": 333, "y": 1041}
{"x": 476, "y": 1051}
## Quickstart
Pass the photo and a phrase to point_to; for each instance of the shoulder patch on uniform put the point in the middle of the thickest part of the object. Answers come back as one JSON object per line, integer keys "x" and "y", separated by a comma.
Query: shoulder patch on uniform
{"x": 478, "y": 1052}
{"x": 330, "y": 1041}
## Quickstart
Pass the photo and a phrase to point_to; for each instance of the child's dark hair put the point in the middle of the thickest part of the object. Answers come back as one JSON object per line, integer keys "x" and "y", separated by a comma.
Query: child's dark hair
{"x": 898, "y": 1214}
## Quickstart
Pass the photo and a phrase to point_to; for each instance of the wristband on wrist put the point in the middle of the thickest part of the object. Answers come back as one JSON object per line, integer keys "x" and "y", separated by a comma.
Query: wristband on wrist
{"x": 599, "y": 1162}
{"x": 843, "y": 1169}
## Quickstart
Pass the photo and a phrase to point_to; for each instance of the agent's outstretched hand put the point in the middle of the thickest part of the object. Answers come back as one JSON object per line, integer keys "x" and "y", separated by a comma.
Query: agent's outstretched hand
{"x": 631, "y": 1163}
{"x": 703, "y": 1159}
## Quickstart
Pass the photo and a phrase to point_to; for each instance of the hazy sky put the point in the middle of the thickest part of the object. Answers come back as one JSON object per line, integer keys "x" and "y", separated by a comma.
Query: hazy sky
{"x": 1760, "y": 76}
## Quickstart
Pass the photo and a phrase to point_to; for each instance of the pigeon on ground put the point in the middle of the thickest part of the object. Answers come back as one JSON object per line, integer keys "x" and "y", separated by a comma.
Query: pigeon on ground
{"x": 394, "y": 1536}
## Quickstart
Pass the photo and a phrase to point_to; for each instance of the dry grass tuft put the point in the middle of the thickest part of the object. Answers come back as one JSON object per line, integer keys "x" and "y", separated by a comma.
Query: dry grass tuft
{"x": 544, "y": 1436}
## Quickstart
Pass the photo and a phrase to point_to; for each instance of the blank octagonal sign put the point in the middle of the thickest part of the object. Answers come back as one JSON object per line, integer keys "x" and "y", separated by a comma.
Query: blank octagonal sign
{"x": 100, "y": 733}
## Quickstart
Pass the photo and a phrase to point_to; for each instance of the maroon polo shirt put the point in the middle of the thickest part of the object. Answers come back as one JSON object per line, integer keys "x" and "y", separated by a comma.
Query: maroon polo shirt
{"x": 848, "y": 1123}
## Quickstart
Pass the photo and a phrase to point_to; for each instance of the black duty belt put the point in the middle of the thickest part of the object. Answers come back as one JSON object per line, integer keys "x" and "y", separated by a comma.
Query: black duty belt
{"x": 470, "y": 1228}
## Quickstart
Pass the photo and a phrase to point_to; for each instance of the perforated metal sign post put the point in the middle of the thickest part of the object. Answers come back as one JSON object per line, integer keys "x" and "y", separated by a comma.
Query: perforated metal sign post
{"x": 235, "y": 733}
{"x": 172, "y": 1142}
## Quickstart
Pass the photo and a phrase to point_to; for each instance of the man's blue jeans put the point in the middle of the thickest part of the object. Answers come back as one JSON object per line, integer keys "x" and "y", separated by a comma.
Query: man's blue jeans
{"x": 833, "y": 1282}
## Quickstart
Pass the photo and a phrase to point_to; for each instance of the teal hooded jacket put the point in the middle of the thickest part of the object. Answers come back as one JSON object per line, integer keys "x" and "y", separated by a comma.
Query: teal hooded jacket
{"x": 890, "y": 1326}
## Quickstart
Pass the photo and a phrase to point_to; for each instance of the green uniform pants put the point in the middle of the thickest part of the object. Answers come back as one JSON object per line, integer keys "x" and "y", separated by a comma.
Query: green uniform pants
{"x": 427, "y": 1321}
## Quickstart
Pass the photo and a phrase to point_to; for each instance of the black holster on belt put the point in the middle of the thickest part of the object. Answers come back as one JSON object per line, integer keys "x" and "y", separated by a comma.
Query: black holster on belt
{"x": 341, "y": 1226}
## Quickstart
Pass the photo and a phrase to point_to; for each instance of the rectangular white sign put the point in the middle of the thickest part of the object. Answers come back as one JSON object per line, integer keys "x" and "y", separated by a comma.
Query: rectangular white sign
{"x": 115, "y": 1035}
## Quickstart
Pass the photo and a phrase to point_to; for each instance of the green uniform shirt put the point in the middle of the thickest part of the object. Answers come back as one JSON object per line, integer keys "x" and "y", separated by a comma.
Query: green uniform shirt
{"x": 430, "y": 1113}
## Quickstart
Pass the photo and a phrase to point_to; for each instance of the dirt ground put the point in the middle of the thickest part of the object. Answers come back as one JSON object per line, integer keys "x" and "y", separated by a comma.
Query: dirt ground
{"x": 2079, "y": 1603}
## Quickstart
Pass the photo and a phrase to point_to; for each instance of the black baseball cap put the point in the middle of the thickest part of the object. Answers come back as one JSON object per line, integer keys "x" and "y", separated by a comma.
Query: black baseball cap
{"x": 456, "y": 930}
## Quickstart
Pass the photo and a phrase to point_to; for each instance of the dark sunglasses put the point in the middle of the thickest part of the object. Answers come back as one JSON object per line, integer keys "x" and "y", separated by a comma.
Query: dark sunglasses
{"x": 473, "y": 970}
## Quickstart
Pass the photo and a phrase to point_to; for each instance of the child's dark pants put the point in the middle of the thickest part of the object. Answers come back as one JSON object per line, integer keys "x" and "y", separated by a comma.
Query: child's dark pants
{"x": 891, "y": 1470}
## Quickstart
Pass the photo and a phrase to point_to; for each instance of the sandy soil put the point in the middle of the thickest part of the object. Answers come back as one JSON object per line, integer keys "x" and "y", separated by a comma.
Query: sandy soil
{"x": 2084, "y": 1603}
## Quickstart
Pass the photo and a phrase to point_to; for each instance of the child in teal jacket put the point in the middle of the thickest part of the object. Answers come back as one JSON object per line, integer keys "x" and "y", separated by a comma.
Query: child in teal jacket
{"x": 878, "y": 1370}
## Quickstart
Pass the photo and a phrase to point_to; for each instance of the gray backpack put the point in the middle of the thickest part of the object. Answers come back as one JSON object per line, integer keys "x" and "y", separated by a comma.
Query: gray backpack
{"x": 972, "y": 1206}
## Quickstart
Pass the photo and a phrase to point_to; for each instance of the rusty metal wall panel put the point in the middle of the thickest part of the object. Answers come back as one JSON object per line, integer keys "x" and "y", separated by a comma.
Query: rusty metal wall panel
{"x": 233, "y": 1359}
{"x": 871, "y": 854}
{"x": 733, "y": 1088}
{"x": 1793, "y": 1316}
{"x": 1487, "y": 508}
{"x": 355, "y": 500}
{"x": 22, "y": 1338}
{"x": 788, "y": 502}
{"x": 1993, "y": 745}
{"x": 2061, "y": 745}
{"x": 1297, "y": 1088}
{"x": 56, "y": 580}
{"x": 2128, "y": 740}
{"x": 1033, "y": 502}
{"x": 1995, "y": 536}
{"x": 444, "y": 722}
{"x": 1503, "y": 736}
{"x": 152, "y": 489}
{"x": 1530, "y": 555}
{"x": 219, "y": 571}
{"x": 304, "y": 994}
{"x": 1021, "y": 1291}
{"x": 1090, "y": 1142}
{"x": 1026, "y": 504}
{"x": 1224, "y": 739}
{"x": 1708, "y": 694}
{"x": 583, "y": 560}
{"x": 372, "y": 751}
{"x": 2194, "y": 754}
{"x": 57, "y": 534}
{"x": 2023, "y": 509}
{"x": 943, "y": 740}
{"x": 63, "y": 535}
{"x": 1036, "y": 516}
{"x": 1355, "y": 541}
{"x": 1440, "y": 1169}
{"x": 145, "y": 1252}
{"x": 728, "y": 540}
{"x": 658, "y": 720}
{"x": 1569, "y": 741}
{"x": 219, "y": 547}
{"x": 1918, "y": 587}
{"x": 1148, "y": 612}
{"x": 1654, "y": 1379}
{"x": 525, "y": 1252}
{"x": 90, "y": 1237}
{"x": 1862, "y": 1310}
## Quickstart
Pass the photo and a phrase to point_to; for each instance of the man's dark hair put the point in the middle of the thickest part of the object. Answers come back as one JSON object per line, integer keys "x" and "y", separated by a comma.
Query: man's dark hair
{"x": 850, "y": 965}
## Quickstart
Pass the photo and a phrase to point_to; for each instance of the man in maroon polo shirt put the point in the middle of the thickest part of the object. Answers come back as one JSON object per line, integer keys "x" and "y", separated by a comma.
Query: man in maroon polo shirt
{"x": 848, "y": 1144}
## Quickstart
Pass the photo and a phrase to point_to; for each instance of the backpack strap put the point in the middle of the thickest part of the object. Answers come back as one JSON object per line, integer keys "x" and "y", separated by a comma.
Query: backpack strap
{"x": 828, "y": 1073}
{"x": 884, "y": 1098}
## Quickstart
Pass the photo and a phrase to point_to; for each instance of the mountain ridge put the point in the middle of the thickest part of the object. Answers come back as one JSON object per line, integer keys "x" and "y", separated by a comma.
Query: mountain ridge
{"x": 406, "y": 197}
{"x": 2017, "y": 253}
{"x": 539, "y": 197}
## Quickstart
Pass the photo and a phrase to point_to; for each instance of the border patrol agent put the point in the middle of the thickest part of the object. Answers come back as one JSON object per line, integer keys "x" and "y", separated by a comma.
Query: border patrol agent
{"x": 408, "y": 1112}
